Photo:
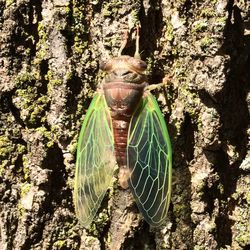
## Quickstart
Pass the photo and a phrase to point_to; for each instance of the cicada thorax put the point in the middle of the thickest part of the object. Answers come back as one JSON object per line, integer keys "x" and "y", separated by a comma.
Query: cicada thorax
{"x": 123, "y": 89}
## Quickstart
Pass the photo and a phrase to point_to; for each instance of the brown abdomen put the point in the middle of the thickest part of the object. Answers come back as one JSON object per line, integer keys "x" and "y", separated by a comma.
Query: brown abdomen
{"x": 120, "y": 129}
{"x": 122, "y": 99}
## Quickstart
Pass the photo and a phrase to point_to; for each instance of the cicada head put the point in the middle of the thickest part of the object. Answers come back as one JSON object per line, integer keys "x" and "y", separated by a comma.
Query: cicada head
{"x": 124, "y": 69}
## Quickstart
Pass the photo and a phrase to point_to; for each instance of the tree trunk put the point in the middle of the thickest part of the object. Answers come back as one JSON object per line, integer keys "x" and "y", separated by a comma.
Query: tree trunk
{"x": 49, "y": 53}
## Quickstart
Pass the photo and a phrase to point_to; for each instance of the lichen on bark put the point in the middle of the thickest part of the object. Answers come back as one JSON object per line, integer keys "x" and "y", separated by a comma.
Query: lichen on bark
{"x": 49, "y": 53}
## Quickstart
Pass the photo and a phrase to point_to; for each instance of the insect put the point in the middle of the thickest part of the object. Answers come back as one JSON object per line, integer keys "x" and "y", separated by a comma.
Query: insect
{"x": 124, "y": 126}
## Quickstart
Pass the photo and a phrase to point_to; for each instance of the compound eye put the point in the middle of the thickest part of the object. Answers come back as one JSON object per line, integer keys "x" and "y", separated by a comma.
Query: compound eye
{"x": 105, "y": 65}
{"x": 139, "y": 64}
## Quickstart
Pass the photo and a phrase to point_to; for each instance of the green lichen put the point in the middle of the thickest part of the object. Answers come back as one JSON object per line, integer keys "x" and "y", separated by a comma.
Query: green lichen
{"x": 47, "y": 135}
{"x": 103, "y": 217}
{"x": 9, "y": 153}
{"x": 79, "y": 111}
{"x": 99, "y": 223}
{"x": 106, "y": 11}
{"x": 63, "y": 234}
{"x": 180, "y": 210}
{"x": 134, "y": 18}
{"x": 180, "y": 71}
{"x": 79, "y": 29}
{"x": 51, "y": 78}
{"x": 69, "y": 75}
{"x": 111, "y": 8}
{"x": 41, "y": 31}
{"x": 42, "y": 46}
{"x": 32, "y": 106}
{"x": 21, "y": 148}
{"x": 109, "y": 238}
{"x": 25, "y": 77}
{"x": 197, "y": 247}
{"x": 200, "y": 26}
{"x": 219, "y": 23}
{"x": 21, "y": 209}
{"x": 208, "y": 12}
{"x": 25, "y": 98}
{"x": 26, "y": 169}
{"x": 9, "y": 2}
{"x": 38, "y": 110}
{"x": 6, "y": 147}
{"x": 199, "y": 122}
{"x": 73, "y": 146}
{"x": 235, "y": 195}
{"x": 243, "y": 239}
{"x": 25, "y": 188}
{"x": 243, "y": 233}
{"x": 169, "y": 35}
{"x": 191, "y": 102}
{"x": 220, "y": 187}
{"x": 206, "y": 42}
{"x": 55, "y": 131}
{"x": 247, "y": 196}
{"x": 60, "y": 244}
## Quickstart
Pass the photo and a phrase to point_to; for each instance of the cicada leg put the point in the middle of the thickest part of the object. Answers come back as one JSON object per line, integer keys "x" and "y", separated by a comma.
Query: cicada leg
{"x": 137, "y": 45}
{"x": 124, "y": 44}
{"x": 158, "y": 86}
{"x": 137, "y": 40}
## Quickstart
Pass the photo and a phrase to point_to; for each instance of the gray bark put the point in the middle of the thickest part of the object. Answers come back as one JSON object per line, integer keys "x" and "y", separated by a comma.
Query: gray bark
{"x": 49, "y": 53}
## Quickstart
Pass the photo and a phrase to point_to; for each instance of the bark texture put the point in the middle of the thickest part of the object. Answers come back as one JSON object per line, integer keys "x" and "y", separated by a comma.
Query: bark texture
{"x": 49, "y": 53}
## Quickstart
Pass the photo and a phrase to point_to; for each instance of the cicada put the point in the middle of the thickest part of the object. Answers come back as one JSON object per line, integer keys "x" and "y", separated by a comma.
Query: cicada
{"x": 124, "y": 126}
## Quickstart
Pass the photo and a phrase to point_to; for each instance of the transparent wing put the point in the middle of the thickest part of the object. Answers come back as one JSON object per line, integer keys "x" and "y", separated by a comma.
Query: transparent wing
{"x": 95, "y": 161}
{"x": 150, "y": 161}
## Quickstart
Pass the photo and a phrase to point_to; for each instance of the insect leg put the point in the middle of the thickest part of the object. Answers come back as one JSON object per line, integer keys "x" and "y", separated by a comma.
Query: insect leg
{"x": 124, "y": 44}
{"x": 158, "y": 85}
{"x": 137, "y": 48}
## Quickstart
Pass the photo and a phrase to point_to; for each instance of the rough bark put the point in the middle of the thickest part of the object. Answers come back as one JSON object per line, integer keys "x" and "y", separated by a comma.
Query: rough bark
{"x": 49, "y": 53}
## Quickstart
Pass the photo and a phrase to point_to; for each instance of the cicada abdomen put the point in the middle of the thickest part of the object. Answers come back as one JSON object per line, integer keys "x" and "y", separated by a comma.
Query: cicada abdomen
{"x": 124, "y": 126}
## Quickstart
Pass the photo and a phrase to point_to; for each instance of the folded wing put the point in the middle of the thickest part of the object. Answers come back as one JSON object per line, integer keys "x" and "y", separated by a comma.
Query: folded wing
{"x": 95, "y": 161}
{"x": 150, "y": 161}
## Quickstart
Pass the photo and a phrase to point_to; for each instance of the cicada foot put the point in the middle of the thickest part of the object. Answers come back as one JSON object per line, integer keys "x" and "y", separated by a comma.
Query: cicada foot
{"x": 166, "y": 81}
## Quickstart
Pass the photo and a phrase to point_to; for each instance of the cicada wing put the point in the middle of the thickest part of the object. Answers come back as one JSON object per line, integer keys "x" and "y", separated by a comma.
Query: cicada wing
{"x": 95, "y": 161}
{"x": 150, "y": 161}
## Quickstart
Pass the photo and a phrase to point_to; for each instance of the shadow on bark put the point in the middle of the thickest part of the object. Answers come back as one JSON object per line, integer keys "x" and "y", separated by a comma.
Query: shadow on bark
{"x": 231, "y": 105}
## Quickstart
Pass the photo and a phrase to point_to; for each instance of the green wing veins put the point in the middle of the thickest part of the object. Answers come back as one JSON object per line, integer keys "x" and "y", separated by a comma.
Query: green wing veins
{"x": 150, "y": 161}
{"x": 95, "y": 161}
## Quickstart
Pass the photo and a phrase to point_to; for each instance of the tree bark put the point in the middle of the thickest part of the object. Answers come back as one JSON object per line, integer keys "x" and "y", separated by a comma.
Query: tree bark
{"x": 49, "y": 53}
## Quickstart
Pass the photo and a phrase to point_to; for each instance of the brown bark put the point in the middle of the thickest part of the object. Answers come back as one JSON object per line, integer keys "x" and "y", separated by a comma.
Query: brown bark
{"x": 49, "y": 53}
